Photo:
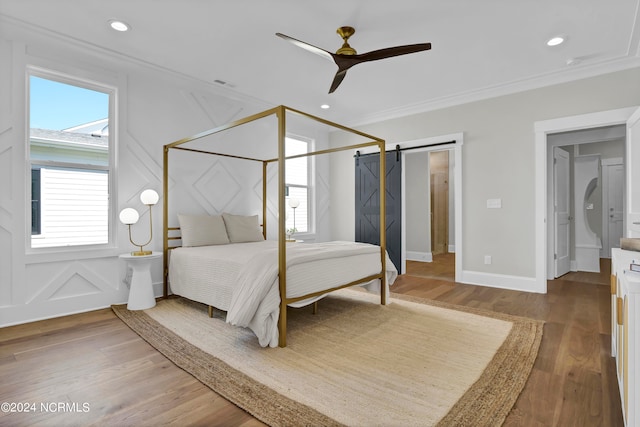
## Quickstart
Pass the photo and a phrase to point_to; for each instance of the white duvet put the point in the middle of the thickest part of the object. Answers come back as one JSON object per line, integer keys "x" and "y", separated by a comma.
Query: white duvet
{"x": 243, "y": 278}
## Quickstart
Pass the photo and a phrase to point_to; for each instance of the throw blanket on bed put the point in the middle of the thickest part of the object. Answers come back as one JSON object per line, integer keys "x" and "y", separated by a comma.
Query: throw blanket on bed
{"x": 255, "y": 302}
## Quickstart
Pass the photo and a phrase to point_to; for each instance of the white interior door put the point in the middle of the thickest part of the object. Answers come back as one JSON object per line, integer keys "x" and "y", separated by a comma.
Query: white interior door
{"x": 633, "y": 175}
{"x": 562, "y": 259}
{"x": 615, "y": 208}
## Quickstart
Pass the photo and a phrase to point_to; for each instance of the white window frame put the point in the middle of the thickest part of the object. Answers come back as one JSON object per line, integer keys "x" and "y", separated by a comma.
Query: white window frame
{"x": 311, "y": 226}
{"x": 91, "y": 82}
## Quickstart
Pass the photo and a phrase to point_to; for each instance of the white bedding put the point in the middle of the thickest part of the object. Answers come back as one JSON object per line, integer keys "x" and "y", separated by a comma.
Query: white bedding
{"x": 242, "y": 279}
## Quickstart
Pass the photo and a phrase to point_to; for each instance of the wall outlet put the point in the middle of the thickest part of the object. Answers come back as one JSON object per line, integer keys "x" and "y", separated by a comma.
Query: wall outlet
{"x": 487, "y": 259}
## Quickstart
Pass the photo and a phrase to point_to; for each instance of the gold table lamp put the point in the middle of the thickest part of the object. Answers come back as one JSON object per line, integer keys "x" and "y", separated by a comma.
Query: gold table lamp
{"x": 130, "y": 216}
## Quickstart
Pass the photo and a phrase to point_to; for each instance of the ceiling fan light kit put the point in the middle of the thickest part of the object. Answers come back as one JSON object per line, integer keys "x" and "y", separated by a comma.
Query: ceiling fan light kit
{"x": 346, "y": 57}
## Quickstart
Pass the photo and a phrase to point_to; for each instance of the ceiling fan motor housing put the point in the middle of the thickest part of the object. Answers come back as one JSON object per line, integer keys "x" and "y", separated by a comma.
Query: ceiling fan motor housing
{"x": 345, "y": 33}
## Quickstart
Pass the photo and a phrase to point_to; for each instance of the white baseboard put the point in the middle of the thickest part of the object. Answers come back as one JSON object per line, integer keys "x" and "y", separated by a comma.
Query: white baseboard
{"x": 42, "y": 310}
{"x": 573, "y": 265}
{"x": 502, "y": 281}
{"x": 419, "y": 256}
{"x": 452, "y": 249}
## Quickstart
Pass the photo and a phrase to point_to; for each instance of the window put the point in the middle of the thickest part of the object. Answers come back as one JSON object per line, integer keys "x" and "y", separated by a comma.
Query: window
{"x": 297, "y": 174}
{"x": 69, "y": 153}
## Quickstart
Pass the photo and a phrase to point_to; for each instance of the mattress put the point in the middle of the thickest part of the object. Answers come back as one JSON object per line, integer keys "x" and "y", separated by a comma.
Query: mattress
{"x": 241, "y": 278}
{"x": 207, "y": 274}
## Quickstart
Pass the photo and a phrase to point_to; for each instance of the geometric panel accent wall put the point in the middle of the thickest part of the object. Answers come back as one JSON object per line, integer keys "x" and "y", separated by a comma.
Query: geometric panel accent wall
{"x": 71, "y": 280}
{"x": 217, "y": 187}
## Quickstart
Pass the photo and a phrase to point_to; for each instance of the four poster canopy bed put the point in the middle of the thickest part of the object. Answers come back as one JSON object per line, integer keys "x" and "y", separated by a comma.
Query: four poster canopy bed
{"x": 226, "y": 261}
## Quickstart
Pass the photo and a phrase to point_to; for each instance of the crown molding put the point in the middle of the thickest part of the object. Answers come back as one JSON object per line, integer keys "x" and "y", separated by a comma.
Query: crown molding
{"x": 508, "y": 88}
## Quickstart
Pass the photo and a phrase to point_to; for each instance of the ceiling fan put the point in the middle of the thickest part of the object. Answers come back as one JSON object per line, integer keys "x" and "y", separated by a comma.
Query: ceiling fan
{"x": 346, "y": 57}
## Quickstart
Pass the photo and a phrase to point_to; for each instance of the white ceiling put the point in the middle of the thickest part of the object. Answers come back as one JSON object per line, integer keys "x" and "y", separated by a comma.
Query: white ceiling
{"x": 479, "y": 48}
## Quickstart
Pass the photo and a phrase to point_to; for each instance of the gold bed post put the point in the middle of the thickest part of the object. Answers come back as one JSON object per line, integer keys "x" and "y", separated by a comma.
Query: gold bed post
{"x": 383, "y": 222}
{"x": 282, "y": 246}
{"x": 264, "y": 199}
{"x": 165, "y": 222}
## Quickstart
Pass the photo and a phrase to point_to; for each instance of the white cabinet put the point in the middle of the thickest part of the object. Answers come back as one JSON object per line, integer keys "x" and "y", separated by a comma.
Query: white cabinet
{"x": 625, "y": 331}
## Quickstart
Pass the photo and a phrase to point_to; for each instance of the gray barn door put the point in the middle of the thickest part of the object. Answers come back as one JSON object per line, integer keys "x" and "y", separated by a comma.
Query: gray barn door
{"x": 368, "y": 203}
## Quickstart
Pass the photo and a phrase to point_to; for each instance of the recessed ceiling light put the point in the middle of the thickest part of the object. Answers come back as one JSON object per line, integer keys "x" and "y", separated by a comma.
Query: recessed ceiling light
{"x": 325, "y": 106}
{"x": 555, "y": 41}
{"x": 119, "y": 25}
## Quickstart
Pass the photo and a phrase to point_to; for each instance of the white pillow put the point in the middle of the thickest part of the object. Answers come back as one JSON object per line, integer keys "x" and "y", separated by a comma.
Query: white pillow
{"x": 242, "y": 228}
{"x": 202, "y": 230}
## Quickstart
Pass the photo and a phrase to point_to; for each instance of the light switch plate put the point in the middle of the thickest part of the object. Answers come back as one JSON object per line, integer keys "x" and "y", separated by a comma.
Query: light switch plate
{"x": 494, "y": 203}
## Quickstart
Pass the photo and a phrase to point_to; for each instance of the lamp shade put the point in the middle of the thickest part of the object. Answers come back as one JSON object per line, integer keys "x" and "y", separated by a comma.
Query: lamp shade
{"x": 129, "y": 216}
{"x": 149, "y": 197}
{"x": 294, "y": 203}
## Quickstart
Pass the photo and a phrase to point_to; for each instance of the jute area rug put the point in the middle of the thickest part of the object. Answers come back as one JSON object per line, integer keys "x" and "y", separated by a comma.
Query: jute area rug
{"x": 356, "y": 362}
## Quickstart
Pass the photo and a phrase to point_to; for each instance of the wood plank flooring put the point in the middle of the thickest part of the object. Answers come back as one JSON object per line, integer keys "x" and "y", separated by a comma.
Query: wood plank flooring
{"x": 94, "y": 358}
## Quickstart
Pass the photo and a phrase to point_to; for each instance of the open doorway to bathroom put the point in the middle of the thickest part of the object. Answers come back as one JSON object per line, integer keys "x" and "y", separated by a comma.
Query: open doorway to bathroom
{"x": 586, "y": 193}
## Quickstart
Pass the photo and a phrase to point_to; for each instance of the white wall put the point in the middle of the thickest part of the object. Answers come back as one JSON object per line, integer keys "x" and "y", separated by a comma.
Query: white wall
{"x": 498, "y": 158}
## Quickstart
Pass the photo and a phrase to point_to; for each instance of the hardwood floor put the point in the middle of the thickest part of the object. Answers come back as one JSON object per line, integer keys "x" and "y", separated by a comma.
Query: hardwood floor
{"x": 442, "y": 267}
{"x": 94, "y": 358}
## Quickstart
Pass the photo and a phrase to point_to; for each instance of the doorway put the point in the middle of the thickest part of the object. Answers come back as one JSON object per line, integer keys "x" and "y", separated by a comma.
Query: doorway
{"x": 430, "y": 212}
{"x": 409, "y": 149}
{"x": 586, "y": 198}
{"x": 543, "y": 209}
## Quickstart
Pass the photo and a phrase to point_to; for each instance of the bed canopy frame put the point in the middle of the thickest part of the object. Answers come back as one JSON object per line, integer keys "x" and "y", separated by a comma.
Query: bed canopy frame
{"x": 280, "y": 113}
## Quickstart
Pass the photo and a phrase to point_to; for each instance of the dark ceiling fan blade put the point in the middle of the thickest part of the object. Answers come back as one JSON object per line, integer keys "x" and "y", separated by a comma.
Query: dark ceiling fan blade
{"x": 344, "y": 62}
{"x": 340, "y": 75}
{"x": 390, "y": 52}
{"x": 311, "y": 48}
{"x": 346, "y": 57}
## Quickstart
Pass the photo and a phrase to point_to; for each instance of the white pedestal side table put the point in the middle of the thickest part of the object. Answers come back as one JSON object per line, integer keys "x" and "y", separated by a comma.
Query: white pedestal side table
{"x": 141, "y": 292}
